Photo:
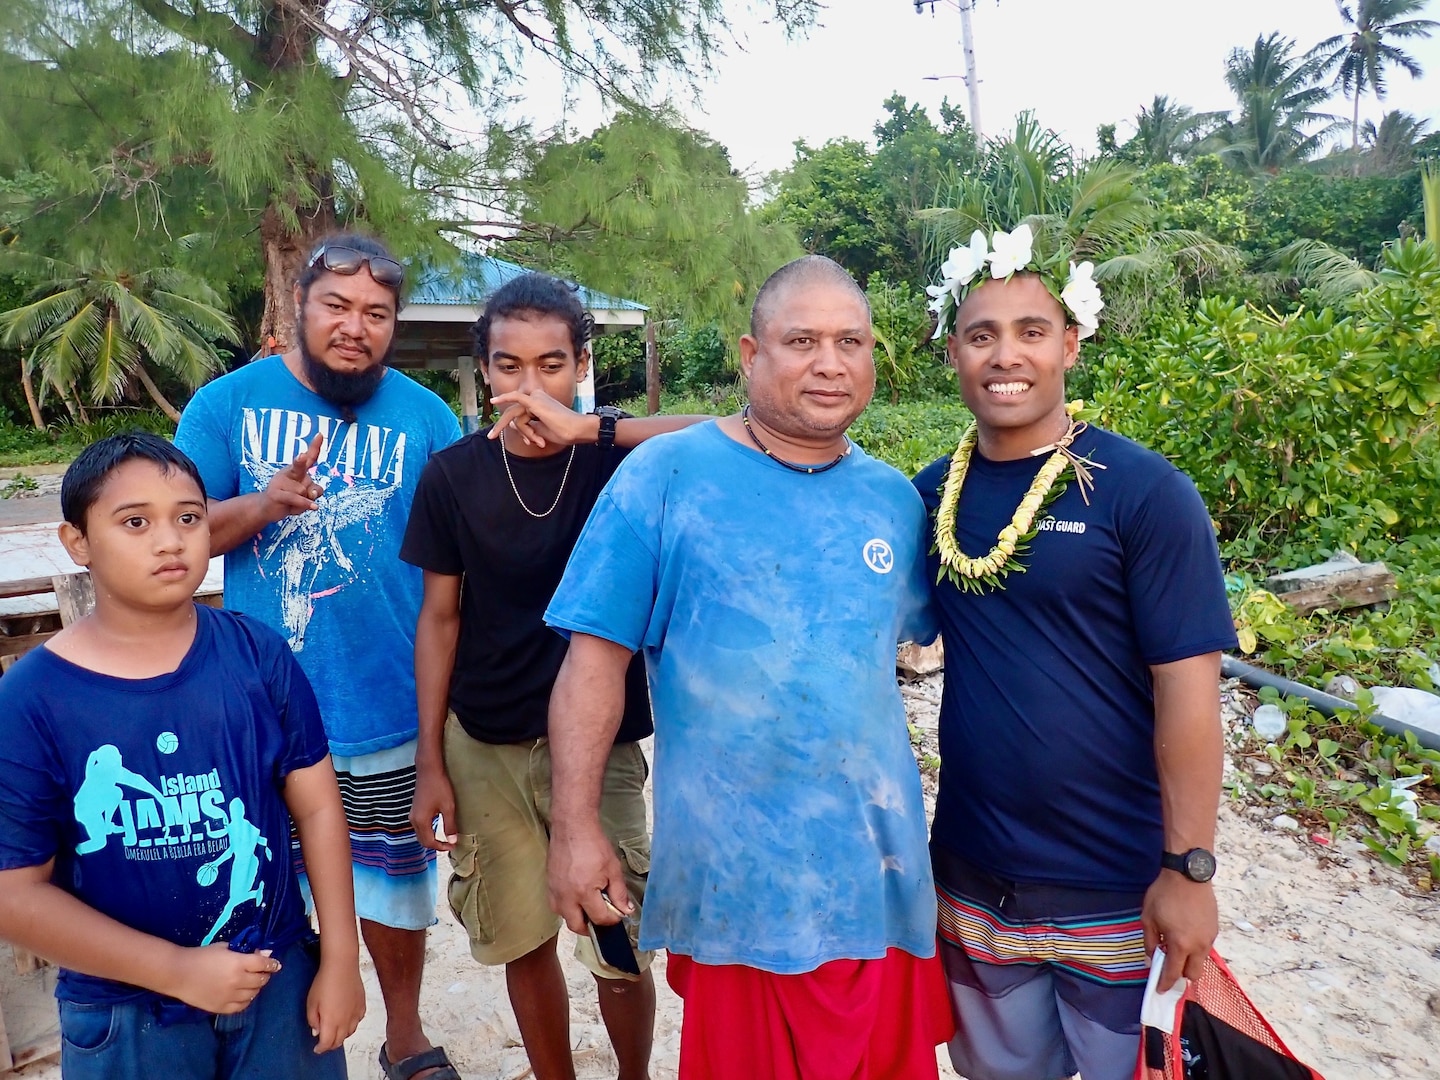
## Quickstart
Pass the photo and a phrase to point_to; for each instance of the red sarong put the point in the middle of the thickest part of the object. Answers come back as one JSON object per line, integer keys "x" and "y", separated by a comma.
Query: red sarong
{"x": 846, "y": 1020}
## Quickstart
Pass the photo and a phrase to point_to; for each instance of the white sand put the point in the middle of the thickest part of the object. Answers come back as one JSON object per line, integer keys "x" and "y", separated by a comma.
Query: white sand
{"x": 1341, "y": 954}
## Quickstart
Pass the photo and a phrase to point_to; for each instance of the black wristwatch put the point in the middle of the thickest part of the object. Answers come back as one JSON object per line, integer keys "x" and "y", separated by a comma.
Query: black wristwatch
{"x": 1197, "y": 864}
{"x": 609, "y": 417}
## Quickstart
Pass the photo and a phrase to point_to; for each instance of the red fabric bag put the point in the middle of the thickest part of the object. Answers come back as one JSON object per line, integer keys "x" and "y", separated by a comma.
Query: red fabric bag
{"x": 1218, "y": 1035}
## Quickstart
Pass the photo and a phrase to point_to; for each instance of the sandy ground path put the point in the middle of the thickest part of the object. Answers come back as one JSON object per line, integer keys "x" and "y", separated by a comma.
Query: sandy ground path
{"x": 1341, "y": 954}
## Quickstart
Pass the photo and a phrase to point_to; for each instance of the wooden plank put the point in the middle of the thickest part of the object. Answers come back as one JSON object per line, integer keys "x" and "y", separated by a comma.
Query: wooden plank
{"x": 79, "y": 600}
{"x": 652, "y": 371}
{"x": 6, "y": 1061}
{"x": 917, "y": 661}
{"x": 1342, "y": 583}
{"x": 469, "y": 399}
{"x": 26, "y": 961}
{"x": 74, "y": 596}
{"x": 47, "y": 1046}
{"x": 25, "y": 587}
{"x": 17, "y": 645}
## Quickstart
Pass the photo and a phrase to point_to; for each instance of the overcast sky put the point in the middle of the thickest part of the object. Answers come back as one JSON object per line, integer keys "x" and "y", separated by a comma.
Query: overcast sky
{"x": 1077, "y": 64}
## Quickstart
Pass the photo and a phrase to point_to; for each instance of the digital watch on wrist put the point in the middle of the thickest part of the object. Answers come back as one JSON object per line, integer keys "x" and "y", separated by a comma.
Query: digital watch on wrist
{"x": 609, "y": 416}
{"x": 1197, "y": 864}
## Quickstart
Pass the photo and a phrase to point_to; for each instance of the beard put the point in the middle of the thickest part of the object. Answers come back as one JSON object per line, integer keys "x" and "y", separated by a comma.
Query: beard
{"x": 342, "y": 388}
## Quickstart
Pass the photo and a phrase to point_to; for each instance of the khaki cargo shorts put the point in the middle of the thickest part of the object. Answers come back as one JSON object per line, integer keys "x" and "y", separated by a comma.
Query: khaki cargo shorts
{"x": 502, "y": 821}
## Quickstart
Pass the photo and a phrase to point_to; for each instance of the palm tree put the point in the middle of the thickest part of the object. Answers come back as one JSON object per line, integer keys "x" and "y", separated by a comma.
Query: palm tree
{"x": 1165, "y": 131}
{"x": 91, "y": 322}
{"x": 1430, "y": 191}
{"x": 1390, "y": 147}
{"x": 1279, "y": 98}
{"x": 1361, "y": 56}
{"x": 1091, "y": 209}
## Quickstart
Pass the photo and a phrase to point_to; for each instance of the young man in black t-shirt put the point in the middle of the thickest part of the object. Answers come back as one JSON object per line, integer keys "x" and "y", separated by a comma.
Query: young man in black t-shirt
{"x": 493, "y": 523}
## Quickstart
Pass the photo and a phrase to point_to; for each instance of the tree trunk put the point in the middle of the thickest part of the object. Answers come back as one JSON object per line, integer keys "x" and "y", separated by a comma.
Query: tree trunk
{"x": 652, "y": 370}
{"x": 286, "y": 43}
{"x": 1355, "y": 132}
{"x": 73, "y": 404}
{"x": 285, "y": 253}
{"x": 29, "y": 386}
{"x": 155, "y": 395}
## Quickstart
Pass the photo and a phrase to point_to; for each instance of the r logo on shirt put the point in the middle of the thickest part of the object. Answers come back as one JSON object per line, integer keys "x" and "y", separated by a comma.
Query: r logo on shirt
{"x": 878, "y": 556}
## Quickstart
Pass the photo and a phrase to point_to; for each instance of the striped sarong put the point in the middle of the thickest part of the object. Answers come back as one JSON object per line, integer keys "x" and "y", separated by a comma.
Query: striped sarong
{"x": 1107, "y": 949}
{"x": 396, "y": 879}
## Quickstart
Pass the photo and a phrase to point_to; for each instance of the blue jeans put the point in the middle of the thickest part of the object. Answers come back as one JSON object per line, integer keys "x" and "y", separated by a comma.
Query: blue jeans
{"x": 269, "y": 1039}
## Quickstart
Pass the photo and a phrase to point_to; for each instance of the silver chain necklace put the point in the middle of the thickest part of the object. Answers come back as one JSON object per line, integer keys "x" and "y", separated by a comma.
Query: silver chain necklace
{"x": 505, "y": 457}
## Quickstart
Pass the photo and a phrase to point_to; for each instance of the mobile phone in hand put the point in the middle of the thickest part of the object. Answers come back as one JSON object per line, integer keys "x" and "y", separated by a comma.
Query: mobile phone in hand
{"x": 612, "y": 943}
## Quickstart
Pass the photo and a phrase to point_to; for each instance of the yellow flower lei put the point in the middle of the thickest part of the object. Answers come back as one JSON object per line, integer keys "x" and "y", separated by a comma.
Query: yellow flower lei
{"x": 985, "y": 573}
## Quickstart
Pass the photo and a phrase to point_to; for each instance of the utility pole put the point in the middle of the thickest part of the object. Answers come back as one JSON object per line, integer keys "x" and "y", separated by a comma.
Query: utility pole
{"x": 967, "y": 44}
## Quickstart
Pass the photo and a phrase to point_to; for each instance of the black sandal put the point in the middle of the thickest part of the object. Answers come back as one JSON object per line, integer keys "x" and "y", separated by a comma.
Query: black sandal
{"x": 404, "y": 1069}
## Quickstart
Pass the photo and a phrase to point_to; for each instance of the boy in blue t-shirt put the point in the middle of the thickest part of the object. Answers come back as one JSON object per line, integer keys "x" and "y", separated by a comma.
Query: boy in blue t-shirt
{"x": 155, "y": 753}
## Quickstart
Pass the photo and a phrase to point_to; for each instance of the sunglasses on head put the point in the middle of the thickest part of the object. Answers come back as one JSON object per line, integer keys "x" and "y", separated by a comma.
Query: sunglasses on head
{"x": 348, "y": 261}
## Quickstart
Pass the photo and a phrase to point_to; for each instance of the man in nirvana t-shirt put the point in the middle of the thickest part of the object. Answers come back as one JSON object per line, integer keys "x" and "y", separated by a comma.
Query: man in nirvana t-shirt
{"x": 492, "y": 527}
{"x": 1079, "y": 728}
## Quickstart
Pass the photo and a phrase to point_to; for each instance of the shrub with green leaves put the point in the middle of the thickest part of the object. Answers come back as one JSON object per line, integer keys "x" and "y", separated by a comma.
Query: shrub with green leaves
{"x": 1309, "y": 431}
{"x": 903, "y": 350}
{"x": 1343, "y": 777}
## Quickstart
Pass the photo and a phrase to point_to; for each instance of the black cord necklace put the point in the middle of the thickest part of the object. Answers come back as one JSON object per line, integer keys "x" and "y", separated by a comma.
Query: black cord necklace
{"x": 810, "y": 469}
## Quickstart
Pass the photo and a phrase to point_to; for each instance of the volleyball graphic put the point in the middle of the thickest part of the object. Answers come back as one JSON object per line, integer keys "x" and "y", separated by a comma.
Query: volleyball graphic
{"x": 207, "y": 873}
{"x": 167, "y": 743}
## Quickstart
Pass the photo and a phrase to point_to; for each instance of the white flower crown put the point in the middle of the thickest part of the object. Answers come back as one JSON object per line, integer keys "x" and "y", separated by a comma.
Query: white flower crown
{"x": 1003, "y": 255}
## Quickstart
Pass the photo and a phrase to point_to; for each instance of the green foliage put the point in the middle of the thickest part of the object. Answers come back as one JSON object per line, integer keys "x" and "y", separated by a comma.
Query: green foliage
{"x": 1315, "y": 430}
{"x": 908, "y": 435}
{"x": 1390, "y": 147}
{"x": 1360, "y": 56}
{"x": 619, "y": 362}
{"x": 285, "y": 123}
{"x": 858, "y": 206}
{"x": 904, "y": 352}
{"x": 1201, "y": 195}
{"x": 833, "y": 200}
{"x": 1165, "y": 131}
{"x": 722, "y": 401}
{"x": 911, "y": 434}
{"x": 21, "y": 446}
{"x": 99, "y": 324}
{"x": 699, "y": 359}
{"x": 649, "y": 208}
{"x": 1356, "y": 215}
{"x": 1393, "y": 646}
{"x": 1343, "y": 777}
{"x": 694, "y": 360}
{"x": 1280, "y": 122}
{"x": 17, "y": 485}
{"x": 1092, "y": 210}
{"x": 1430, "y": 185}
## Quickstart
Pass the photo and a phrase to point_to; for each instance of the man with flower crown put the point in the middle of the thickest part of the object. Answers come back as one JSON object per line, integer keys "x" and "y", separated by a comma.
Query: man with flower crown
{"x": 1082, "y": 604}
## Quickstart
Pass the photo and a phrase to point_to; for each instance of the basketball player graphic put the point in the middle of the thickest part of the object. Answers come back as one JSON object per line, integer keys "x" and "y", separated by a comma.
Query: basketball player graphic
{"x": 245, "y": 841}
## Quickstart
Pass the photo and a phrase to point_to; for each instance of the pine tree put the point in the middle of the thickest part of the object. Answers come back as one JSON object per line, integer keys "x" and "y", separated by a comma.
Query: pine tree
{"x": 316, "y": 113}
{"x": 646, "y": 206}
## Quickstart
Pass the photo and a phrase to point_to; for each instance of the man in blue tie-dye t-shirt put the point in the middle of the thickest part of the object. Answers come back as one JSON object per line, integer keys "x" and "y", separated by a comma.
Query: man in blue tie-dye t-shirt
{"x": 766, "y": 567}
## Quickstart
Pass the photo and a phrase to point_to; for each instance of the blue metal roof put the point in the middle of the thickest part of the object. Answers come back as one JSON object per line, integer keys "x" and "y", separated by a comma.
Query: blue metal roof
{"x": 478, "y": 276}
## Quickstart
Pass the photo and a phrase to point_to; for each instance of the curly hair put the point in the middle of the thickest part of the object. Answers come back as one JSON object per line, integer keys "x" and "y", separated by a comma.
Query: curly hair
{"x": 533, "y": 294}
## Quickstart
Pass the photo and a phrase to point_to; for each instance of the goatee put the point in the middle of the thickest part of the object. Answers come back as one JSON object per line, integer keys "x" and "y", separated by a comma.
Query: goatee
{"x": 342, "y": 388}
